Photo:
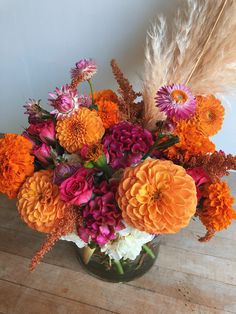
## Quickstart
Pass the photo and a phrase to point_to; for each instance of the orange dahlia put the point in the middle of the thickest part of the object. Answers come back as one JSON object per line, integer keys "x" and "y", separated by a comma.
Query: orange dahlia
{"x": 39, "y": 202}
{"x": 210, "y": 114}
{"x": 16, "y": 163}
{"x": 157, "y": 196}
{"x": 84, "y": 127}
{"x": 217, "y": 213}
{"x": 192, "y": 141}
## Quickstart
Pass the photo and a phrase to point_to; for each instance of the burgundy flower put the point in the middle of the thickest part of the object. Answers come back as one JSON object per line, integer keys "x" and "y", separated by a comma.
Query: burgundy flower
{"x": 44, "y": 130}
{"x": 102, "y": 219}
{"x": 126, "y": 143}
{"x": 43, "y": 153}
{"x": 62, "y": 172}
{"x": 78, "y": 188}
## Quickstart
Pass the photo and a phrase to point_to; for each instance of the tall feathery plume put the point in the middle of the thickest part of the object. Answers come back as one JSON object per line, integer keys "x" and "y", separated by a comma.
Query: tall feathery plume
{"x": 127, "y": 105}
{"x": 201, "y": 51}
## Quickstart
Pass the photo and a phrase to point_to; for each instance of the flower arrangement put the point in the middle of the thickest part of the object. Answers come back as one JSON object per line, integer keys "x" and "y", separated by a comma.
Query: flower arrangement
{"x": 110, "y": 172}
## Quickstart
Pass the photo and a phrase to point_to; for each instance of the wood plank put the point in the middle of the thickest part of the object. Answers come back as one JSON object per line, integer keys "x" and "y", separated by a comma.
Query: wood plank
{"x": 206, "y": 266}
{"x": 167, "y": 282}
{"x": 80, "y": 287}
{"x": 19, "y": 299}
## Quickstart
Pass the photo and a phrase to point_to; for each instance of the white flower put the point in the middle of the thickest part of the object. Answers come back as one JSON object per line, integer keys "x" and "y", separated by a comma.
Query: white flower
{"x": 74, "y": 238}
{"x": 128, "y": 245}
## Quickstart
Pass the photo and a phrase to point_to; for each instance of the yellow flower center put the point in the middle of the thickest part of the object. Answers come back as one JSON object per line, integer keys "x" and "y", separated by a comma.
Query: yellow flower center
{"x": 179, "y": 96}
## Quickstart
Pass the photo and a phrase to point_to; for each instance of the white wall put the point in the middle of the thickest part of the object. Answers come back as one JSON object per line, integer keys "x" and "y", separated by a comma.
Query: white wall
{"x": 41, "y": 40}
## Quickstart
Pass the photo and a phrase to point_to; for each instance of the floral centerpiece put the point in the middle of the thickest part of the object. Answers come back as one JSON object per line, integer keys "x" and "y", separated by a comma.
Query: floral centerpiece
{"x": 111, "y": 172}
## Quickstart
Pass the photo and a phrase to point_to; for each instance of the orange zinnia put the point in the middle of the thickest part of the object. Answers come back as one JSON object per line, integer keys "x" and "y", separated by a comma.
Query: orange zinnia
{"x": 217, "y": 213}
{"x": 209, "y": 114}
{"x": 16, "y": 163}
{"x": 84, "y": 127}
{"x": 39, "y": 202}
{"x": 157, "y": 197}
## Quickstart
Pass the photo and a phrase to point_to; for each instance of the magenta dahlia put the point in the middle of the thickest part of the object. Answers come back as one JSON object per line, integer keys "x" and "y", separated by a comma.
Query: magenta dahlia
{"x": 126, "y": 143}
{"x": 102, "y": 217}
{"x": 84, "y": 70}
{"x": 176, "y": 101}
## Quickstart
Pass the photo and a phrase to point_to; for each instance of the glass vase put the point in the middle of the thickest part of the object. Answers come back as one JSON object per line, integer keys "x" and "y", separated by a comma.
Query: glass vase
{"x": 100, "y": 266}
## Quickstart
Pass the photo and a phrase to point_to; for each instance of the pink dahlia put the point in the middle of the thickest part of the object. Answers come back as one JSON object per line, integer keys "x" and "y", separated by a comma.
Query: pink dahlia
{"x": 78, "y": 188}
{"x": 126, "y": 143}
{"x": 64, "y": 100}
{"x": 102, "y": 219}
{"x": 176, "y": 101}
{"x": 84, "y": 70}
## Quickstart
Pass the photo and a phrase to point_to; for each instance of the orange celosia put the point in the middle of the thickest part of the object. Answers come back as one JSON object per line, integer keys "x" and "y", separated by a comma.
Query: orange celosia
{"x": 192, "y": 141}
{"x": 39, "y": 202}
{"x": 16, "y": 163}
{"x": 209, "y": 114}
{"x": 217, "y": 212}
{"x": 84, "y": 127}
{"x": 157, "y": 197}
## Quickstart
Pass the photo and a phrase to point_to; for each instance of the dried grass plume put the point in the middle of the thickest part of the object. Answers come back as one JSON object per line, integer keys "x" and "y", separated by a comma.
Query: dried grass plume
{"x": 171, "y": 54}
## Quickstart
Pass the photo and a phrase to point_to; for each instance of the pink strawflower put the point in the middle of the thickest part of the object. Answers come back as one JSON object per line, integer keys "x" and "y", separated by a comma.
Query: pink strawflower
{"x": 35, "y": 112}
{"x": 200, "y": 177}
{"x": 126, "y": 143}
{"x": 84, "y": 70}
{"x": 78, "y": 188}
{"x": 43, "y": 153}
{"x": 176, "y": 101}
{"x": 44, "y": 130}
{"x": 26, "y": 135}
{"x": 102, "y": 218}
{"x": 84, "y": 101}
{"x": 64, "y": 100}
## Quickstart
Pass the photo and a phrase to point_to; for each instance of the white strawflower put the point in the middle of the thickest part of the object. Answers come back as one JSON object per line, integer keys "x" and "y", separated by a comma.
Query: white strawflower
{"x": 73, "y": 237}
{"x": 128, "y": 244}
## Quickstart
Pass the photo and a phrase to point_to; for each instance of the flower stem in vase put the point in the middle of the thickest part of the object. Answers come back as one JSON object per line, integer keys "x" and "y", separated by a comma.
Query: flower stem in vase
{"x": 119, "y": 267}
{"x": 148, "y": 251}
{"x": 87, "y": 254}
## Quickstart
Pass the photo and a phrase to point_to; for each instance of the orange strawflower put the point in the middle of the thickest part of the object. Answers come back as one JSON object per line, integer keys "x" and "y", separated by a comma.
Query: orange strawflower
{"x": 84, "y": 127}
{"x": 106, "y": 94}
{"x": 39, "y": 202}
{"x": 192, "y": 141}
{"x": 157, "y": 197}
{"x": 217, "y": 213}
{"x": 209, "y": 114}
{"x": 16, "y": 163}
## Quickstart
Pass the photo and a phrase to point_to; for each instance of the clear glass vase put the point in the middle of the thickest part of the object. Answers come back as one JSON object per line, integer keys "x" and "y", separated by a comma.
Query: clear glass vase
{"x": 99, "y": 265}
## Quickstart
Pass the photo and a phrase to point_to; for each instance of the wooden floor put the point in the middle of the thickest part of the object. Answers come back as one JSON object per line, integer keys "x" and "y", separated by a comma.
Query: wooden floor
{"x": 189, "y": 277}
